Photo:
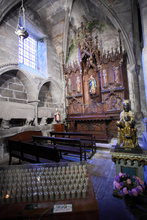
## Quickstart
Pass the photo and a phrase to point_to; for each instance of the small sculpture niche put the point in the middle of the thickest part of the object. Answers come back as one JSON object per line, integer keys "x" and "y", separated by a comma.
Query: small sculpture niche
{"x": 104, "y": 77}
{"x": 78, "y": 84}
{"x": 116, "y": 75}
{"x": 57, "y": 116}
{"x": 127, "y": 133}
{"x": 69, "y": 86}
{"x": 92, "y": 85}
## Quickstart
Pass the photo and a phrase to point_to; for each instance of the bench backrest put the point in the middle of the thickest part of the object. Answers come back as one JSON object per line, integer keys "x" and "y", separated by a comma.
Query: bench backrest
{"x": 71, "y": 134}
{"x": 25, "y": 136}
{"x": 20, "y": 149}
{"x": 58, "y": 140}
{"x": 75, "y": 135}
{"x": 48, "y": 153}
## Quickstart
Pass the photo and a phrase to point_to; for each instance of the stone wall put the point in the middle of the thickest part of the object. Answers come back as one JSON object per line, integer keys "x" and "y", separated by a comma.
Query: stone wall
{"x": 143, "y": 10}
{"x": 28, "y": 100}
{"x": 11, "y": 88}
{"x": 8, "y": 44}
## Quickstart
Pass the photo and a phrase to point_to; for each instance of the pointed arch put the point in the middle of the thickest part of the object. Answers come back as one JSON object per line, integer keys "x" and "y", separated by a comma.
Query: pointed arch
{"x": 111, "y": 14}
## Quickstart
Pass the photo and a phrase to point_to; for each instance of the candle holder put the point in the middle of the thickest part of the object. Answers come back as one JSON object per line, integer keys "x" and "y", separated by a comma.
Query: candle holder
{"x": 46, "y": 196}
{"x": 84, "y": 193}
{"x": 29, "y": 197}
{"x": 67, "y": 194}
{"x": 62, "y": 195}
{"x": 23, "y": 197}
{"x": 51, "y": 195}
{"x": 35, "y": 196}
{"x": 40, "y": 196}
{"x": 73, "y": 195}
{"x": 56, "y": 195}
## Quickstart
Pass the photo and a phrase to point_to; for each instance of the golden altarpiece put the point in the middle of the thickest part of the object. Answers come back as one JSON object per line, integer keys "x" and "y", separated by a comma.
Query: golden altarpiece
{"x": 96, "y": 87}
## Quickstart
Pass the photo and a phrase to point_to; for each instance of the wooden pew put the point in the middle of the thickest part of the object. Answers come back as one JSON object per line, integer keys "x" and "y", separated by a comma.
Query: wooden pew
{"x": 66, "y": 145}
{"x": 31, "y": 152}
{"x": 25, "y": 136}
{"x": 87, "y": 139}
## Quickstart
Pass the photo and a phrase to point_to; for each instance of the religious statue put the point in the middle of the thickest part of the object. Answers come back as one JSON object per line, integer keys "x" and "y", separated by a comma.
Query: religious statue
{"x": 90, "y": 62}
{"x": 57, "y": 116}
{"x": 116, "y": 74}
{"x": 127, "y": 133}
{"x": 92, "y": 85}
{"x": 104, "y": 75}
{"x": 78, "y": 84}
{"x": 69, "y": 86}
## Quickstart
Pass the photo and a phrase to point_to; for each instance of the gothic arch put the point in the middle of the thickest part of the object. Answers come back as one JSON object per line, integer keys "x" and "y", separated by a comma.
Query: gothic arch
{"x": 53, "y": 86}
{"x": 109, "y": 12}
{"x": 25, "y": 79}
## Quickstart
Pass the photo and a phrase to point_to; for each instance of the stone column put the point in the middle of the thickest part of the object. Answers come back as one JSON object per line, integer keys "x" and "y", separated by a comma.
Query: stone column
{"x": 66, "y": 26}
{"x": 143, "y": 9}
{"x": 134, "y": 95}
{"x": 1, "y": 149}
{"x": 144, "y": 135}
{"x": 144, "y": 65}
{"x": 68, "y": 8}
{"x": 35, "y": 104}
{"x": 133, "y": 88}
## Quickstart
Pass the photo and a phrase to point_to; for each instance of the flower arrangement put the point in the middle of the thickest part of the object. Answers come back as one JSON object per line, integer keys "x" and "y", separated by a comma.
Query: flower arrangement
{"x": 124, "y": 185}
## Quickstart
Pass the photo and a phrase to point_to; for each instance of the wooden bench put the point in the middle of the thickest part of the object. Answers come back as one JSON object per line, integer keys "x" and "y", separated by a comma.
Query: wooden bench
{"x": 87, "y": 139}
{"x": 25, "y": 136}
{"x": 66, "y": 145}
{"x": 31, "y": 152}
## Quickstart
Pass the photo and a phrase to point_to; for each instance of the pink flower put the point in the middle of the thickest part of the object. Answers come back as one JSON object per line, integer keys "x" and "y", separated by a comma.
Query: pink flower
{"x": 117, "y": 185}
{"x": 126, "y": 185}
{"x": 134, "y": 192}
{"x": 129, "y": 181}
{"x": 114, "y": 182}
{"x": 136, "y": 177}
{"x": 140, "y": 181}
{"x": 140, "y": 188}
{"x": 125, "y": 190}
{"x": 121, "y": 174}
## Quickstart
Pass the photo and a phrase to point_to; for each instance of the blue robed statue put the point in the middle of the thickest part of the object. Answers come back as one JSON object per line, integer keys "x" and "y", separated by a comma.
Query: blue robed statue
{"x": 92, "y": 85}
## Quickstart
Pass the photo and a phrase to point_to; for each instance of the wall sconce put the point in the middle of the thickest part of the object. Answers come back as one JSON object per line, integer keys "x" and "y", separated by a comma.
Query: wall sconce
{"x": 21, "y": 26}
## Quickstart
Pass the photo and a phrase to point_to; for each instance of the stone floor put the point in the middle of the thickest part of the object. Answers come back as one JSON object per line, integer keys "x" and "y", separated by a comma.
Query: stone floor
{"x": 112, "y": 208}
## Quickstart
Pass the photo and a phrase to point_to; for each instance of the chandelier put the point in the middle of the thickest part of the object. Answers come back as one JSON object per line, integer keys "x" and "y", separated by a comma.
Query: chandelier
{"x": 21, "y": 26}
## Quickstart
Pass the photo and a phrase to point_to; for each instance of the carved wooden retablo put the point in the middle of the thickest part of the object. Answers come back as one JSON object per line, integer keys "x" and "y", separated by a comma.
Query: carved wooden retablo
{"x": 96, "y": 87}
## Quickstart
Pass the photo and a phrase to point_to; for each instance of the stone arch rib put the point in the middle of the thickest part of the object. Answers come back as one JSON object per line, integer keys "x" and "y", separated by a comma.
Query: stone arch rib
{"x": 110, "y": 13}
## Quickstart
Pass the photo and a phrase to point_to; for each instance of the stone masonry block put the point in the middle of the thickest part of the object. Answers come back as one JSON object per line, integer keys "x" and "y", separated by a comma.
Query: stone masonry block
{"x": 18, "y": 100}
{"x": 20, "y": 95}
{"x": 1, "y": 150}
{"x": 16, "y": 80}
{"x": 6, "y": 93}
{"x": 3, "y": 83}
{"x": 17, "y": 87}
{"x": 3, "y": 99}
